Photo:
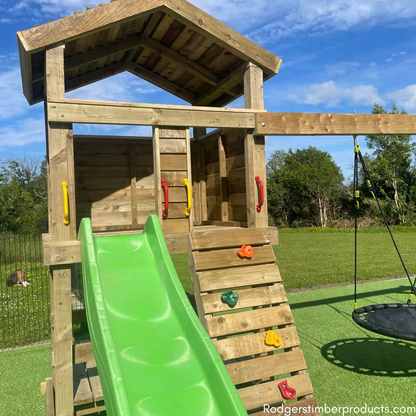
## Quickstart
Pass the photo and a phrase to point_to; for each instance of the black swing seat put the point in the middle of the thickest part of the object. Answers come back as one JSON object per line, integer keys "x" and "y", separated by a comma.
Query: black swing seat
{"x": 394, "y": 320}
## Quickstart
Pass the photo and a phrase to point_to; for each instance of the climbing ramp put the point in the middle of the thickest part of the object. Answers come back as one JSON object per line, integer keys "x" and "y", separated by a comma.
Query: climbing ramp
{"x": 239, "y": 332}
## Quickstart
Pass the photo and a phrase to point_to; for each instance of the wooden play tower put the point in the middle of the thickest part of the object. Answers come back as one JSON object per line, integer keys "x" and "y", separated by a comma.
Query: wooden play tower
{"x": 216, "y": 179}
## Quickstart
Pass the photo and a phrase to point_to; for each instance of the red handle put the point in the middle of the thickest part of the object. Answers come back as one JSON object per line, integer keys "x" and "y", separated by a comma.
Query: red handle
{"x": 165, "y": 188}
{"x": 260, "y": 183}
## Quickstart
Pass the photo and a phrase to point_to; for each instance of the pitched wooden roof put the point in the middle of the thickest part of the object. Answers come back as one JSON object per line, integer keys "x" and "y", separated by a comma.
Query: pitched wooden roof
{"x": 170, "y": 43}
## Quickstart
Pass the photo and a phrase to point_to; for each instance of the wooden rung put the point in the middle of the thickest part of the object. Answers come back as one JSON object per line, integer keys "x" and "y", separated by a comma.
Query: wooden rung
{"x": 82, "y": 389}
{"x": 83, "y": 352}
{"x": 247, "y": 298}
{"x": 269, "y": 366}
{"x": 50, "y": 405}
{"x": 95, "y": 382}
{"x": 245, "y": 345}
{"x": 239, "y": 277}
{"x": 249, "y": 320}
{"x": 256, "y": 396}
{"x": 306, "y": 407}
{"x": 222, "y": 259}
{"x": 232, "y": 238}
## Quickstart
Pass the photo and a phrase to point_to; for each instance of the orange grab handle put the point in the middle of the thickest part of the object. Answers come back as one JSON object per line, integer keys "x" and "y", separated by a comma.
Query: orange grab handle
{"x": 165, "y": 188}
{"x": 260, "y": 184}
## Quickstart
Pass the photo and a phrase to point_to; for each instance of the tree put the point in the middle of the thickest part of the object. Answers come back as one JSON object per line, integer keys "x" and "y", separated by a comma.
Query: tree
{"x": 302, "y": 184}
{"x": 391, "y": 166}
{"x": 23, "y": 195}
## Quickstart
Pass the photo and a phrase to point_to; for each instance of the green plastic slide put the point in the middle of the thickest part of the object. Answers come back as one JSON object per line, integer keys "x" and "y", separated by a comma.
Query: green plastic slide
{"x": 153, "y": 355}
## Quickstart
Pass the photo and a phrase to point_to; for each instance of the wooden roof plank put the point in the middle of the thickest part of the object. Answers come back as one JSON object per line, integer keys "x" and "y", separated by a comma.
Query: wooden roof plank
{"x": 72, "y": 27}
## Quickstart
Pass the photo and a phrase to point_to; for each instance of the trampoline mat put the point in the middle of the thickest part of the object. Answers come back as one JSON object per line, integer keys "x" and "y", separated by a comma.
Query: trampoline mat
{"x": 396, "y": 320}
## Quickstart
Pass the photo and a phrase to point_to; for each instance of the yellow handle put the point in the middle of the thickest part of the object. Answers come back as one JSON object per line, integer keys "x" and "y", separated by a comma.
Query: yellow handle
{"x": 188, "y": 187}
{"x": 66, "y": 208}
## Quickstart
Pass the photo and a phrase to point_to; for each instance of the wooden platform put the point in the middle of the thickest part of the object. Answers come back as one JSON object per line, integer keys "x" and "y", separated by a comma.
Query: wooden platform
{"x": 239, "y": 333}
{"x": 88, "y": 395}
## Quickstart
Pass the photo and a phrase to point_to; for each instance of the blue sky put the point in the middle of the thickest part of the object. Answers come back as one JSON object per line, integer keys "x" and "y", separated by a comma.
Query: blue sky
{"x": 338, "y": 56}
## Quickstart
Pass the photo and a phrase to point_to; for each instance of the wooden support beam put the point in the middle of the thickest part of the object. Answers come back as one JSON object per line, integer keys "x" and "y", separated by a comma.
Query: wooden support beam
{"x": 222, "y": 157}
{"x": 161, "y": 82}
{"x": 189, "y": 176}
{"x": 61, "y": 252}
{"x": 133, "y": 189}
{"x": 60, "y": 169}
{"x": 191, "y": 66}
{"x": 91, "y": 112}
{"x": 230, "y": 81}
{"x": 310, "y": 124}
{"x": 254, "y": 150}
{"x": 156, "y": 169}
{"x": 202, "y": 184}
{"x": 94, "y": 76}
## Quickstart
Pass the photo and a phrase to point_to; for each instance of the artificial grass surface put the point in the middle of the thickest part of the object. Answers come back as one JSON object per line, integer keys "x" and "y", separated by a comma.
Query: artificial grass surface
{"x": 21, "y": 372}
{"x": 348, "y": 365}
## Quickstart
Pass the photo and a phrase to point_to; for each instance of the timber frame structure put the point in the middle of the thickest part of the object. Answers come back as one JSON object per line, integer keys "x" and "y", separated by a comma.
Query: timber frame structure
{"x": 117, "y": 180}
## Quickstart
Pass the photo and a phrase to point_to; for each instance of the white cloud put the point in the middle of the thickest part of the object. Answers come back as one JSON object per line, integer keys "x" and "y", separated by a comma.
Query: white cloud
{"x": 320, "y": 16}
{"x": 121, "y": 87}
{"x": 5, "y": 20}
{"x": 404, "y": 98}
{"x": 388, "y": 60}
{"x": 373, "y": 64}
{"x": 13, "y": 102}
{"x": 287, "y": 18}
{"x": 331, "y": 95}
{"x": 22, "y": 133}
{"x": 341, "y": 68}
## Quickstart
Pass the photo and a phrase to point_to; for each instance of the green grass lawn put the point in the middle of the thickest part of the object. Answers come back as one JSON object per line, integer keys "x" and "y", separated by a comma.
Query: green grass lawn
{"x": 348, "y": 366}
{"x": 307, "y": 259}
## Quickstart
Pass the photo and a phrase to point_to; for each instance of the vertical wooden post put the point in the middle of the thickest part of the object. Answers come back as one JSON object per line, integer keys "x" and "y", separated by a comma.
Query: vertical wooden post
{"x": 156, "y": 169}
{"x": 133, "y": 189}
{"x": 203, "y": 215}
{"x": 189, "y": 173}
{"x": 222, "y": 158}
{"x": 61, "y": 169}
{"x": 254, "y": 149}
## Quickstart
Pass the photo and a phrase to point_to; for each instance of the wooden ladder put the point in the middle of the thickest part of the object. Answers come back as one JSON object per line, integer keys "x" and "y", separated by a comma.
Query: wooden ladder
{"x": 239, "y": 333}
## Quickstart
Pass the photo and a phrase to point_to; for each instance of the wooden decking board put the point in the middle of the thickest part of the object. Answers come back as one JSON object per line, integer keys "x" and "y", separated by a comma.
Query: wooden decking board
{"x": 249, "y": 320}
{"x": 260, "y": 296}
{"x": 234, "y": 238}
{"x": 256, "y": 396}
{"x": 222, "y": 259}
{"x": 239, "y": 277}
{"x": 268, "y": 366}
{"x": 245, "y": 345}
{"x": 82, "y": 389}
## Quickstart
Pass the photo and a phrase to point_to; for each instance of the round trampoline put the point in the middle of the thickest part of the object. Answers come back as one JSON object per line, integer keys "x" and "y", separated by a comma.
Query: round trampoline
{"x": 392, "y": 320}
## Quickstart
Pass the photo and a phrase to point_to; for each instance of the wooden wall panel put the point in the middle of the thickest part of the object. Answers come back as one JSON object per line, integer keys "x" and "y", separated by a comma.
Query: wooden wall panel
{"x": 106, "y": 171}
{"x": 174, "y": 169}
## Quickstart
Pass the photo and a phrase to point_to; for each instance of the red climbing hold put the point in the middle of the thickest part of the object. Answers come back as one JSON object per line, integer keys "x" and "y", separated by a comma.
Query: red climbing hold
{"x": 287, "y": 392}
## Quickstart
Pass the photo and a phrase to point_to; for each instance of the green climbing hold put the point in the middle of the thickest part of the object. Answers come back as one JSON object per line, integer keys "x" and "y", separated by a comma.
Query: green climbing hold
{"x": 230, "y": 298}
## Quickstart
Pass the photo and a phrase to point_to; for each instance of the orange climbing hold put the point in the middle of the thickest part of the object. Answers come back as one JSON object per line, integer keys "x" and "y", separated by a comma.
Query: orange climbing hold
{"x": 273, "y": 339}
{"x": 246, "y": 252}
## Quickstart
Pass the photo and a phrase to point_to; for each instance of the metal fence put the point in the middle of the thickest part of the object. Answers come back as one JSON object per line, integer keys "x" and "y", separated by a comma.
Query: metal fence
{"x": 24, "y": 311}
